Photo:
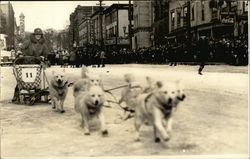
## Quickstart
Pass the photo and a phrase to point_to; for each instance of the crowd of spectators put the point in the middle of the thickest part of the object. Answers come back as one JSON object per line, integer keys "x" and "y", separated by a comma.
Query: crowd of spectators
{"x": 223, "y": 50}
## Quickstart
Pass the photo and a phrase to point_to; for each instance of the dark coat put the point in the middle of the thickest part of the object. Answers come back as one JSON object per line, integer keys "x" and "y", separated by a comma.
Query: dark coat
{"x": 72, "y": 56}
{"x": 203, "y": 50}
{"x": 35, "y": 48}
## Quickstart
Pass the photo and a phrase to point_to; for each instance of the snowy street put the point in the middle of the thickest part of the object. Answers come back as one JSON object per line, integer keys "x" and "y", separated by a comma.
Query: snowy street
{"x": 213, "y": 120}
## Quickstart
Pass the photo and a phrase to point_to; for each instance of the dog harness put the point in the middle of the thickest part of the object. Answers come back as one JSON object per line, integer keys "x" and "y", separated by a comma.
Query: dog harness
{"x": 166, "y": 109}
{"x": 93, "y": 109}
{"x": 60, "y": 89}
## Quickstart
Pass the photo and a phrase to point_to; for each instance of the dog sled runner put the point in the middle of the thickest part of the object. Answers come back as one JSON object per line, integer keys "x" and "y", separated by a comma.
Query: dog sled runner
{"x": 31, "y": 81}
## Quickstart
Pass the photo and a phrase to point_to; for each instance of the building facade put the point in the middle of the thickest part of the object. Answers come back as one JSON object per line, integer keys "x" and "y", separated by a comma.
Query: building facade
{"x": 143, "y": 20}
{"x": 76, "y": 18}
{"x": 116, "y": 25}
{"x": 212, "y": 18}
{"x": 8, "y": 24}
{"x": 95, "y": 37}
{"x": 84, "y": 32}
{"x": 160, "y": 28}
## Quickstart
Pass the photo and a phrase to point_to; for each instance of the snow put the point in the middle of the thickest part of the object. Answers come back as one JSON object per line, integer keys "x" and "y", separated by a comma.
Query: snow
{"x": 213, "y": 120}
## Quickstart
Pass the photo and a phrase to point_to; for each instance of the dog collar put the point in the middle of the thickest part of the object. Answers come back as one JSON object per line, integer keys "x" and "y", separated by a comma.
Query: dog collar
{"x": 61, "y": 87}
{"x": 93, "y": 109}
{"x": 166, "y": 108}
{"x": 61, "y": 94}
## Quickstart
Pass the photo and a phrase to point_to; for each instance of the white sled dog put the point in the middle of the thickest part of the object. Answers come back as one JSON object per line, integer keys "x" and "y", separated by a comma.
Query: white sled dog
{"x": 58, "y": 90}
{"x": 86, "y": 81}
{"x": 89, "y": 104}
{"x": 156, "y": 108}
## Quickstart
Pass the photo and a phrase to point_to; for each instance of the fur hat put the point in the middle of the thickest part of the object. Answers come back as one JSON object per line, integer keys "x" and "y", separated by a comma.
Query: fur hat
{"x": 38, "y": 31}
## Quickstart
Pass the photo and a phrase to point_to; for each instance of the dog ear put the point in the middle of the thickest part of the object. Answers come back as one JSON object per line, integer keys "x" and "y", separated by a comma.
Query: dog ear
{"x": 159, "y": 84}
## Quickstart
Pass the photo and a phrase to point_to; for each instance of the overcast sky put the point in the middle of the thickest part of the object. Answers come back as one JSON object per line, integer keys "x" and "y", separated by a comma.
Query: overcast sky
{"x": 46, "y": 14}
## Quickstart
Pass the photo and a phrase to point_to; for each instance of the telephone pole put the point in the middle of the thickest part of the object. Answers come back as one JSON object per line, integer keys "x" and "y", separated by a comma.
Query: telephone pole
{"x": 130, "y": 25}
{"x": 188, "y": 26}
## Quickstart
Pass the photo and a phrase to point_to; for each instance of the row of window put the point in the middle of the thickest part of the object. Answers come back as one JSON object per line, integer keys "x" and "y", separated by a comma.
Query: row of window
{"x": 111, "y": 32}
{"x": 183, "y": 11}
{"x": 110, "y": 18}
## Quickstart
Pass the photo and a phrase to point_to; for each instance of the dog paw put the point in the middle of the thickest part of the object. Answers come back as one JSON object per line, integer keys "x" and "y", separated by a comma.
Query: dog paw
{"x": 167, "y": 139}
{"x": 105, "y": 133}
{"x": 62, "y": 111}
{"x": 157, "y": 140}
{"x": 137, "y": 140}
{"x": 147, "y": 123}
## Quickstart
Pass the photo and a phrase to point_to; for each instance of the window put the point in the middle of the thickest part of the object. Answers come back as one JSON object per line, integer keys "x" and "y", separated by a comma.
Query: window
{"x": 192, "y": 12}
{"x": 178, "y": 19}
{"x": 172, "y": 18}
{"x": 106, "y": 34}
{"x": 136, "y": 20}
{"x": 185, "y": 16}
{"x": 114, "y": 17}
{"x": 202, "y": 10}
{"x": 245, "y": 6}
{"x": 115, "y": 30}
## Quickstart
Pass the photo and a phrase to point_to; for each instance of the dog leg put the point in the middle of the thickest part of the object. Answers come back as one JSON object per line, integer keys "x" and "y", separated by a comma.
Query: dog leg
{"x": 53, "y": 103}
{"x": 57, "y": 105}
{"x": 169, "y": 125}
{"x": 103, "y": 125}
{"x": 162, "y": 130}
{"x": 126, "y": 115}
{"x": 157, "y": 139}
{"x": 159, "y": 125}
{"x": 138, "y": 124}
{"x": 85, "y": 125}
{"x": 61, "y": 106}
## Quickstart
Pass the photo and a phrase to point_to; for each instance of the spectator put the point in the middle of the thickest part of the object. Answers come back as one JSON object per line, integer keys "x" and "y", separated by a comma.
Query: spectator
{"x": 203, "y": 53}
{"x": 72, "y": 59}
{"x": 102, "y": 59}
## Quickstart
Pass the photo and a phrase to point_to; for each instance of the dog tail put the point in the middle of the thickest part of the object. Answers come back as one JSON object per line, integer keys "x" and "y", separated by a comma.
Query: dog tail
{"x": 84, "y": 72}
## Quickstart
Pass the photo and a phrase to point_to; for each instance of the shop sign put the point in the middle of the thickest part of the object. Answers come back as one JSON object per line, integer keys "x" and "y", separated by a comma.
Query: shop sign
{"x": 123, "y": 41}
{"x": 227, "y": 20}
{"x": 110, "y": 41}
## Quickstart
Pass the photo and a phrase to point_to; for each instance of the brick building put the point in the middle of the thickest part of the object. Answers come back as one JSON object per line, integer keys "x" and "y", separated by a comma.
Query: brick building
{"x": 213, "y": 18}
{"x": 116, "y": 25}
{"x": 160, "y": 28}
{"x": 84, "y": 32}
{"x": 76, "y": 18}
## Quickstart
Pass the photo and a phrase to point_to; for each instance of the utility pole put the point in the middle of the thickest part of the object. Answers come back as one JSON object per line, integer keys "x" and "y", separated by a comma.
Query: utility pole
{"x": 129, "y": 26}
{"x": 101, "y": 14}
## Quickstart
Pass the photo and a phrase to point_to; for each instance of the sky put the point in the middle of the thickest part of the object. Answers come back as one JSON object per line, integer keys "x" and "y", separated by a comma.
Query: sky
{"x": 45, "y": 14}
